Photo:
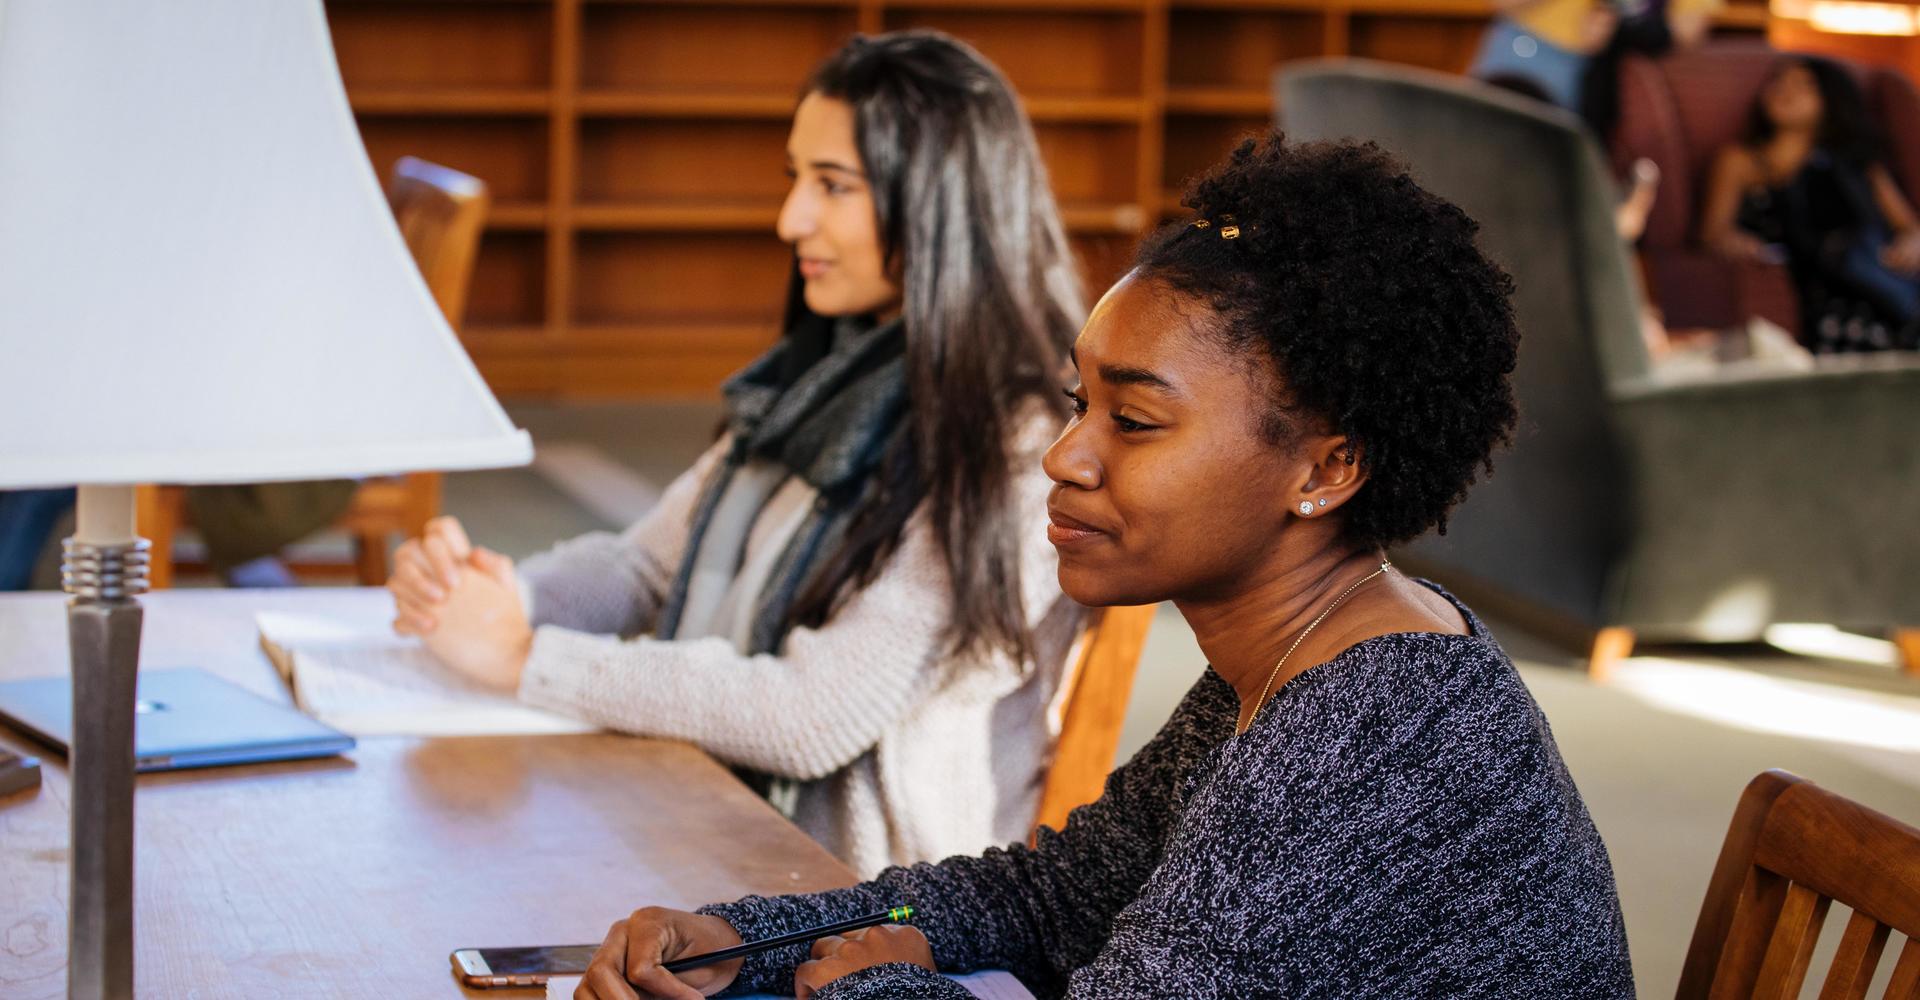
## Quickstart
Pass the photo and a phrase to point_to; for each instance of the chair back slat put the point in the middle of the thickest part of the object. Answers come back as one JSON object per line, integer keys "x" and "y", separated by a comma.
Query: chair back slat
{"x": 1794, "y": 935}
{"x": 1793, "y": 849}
{"x": 1732, "y": 873}
{"x": 441, "y": 213}
{"x": 1760, "y": 903}
{"x": 1905, "y": 984}
{"x": 1857, "y": 958}
{"x": 1097, "y": 690}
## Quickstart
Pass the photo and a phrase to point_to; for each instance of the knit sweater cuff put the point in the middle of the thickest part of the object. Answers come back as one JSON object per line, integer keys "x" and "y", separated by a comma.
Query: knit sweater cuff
{"x": 893, "y": 981}
{"x": 756, "y": 918}
{"x": 524, "y": 587}
{"x": 561, "y": 669}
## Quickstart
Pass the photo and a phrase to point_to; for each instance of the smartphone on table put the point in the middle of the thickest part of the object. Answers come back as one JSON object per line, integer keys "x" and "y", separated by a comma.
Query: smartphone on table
{"x": 488, "y": 968}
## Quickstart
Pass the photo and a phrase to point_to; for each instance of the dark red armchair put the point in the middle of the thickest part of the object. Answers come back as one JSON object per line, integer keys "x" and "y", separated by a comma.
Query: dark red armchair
{"x": 1678, "y": 111}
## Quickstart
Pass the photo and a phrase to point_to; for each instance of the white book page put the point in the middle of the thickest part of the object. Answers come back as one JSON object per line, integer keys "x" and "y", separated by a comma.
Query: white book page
{"x": 994, "y": 984}
{"x": 368, "y": 682}
{"x": 991, "y": 985}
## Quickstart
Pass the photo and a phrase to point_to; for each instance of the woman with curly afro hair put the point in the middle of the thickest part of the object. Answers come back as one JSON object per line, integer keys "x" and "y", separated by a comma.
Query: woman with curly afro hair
{"x": 1359, "y": 798}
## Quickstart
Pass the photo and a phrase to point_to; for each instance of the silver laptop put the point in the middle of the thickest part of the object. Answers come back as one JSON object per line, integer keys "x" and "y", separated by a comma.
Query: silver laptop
{"x": 183, "y": 718}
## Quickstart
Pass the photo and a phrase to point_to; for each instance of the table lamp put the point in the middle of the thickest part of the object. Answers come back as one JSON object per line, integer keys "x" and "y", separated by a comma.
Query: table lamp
{"x": 200, "y": 282}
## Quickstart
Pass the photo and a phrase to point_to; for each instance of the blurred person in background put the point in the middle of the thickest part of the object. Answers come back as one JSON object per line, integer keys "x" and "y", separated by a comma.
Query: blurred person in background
{"x": 1570, "y": 49}
{"x": 1807, "y": 185}
{"x": 245, "y": 526}
{"x": 27, "y": 522}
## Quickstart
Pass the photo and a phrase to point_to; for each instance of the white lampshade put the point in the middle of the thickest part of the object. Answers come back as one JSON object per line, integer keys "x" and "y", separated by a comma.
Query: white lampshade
{"x": 200, "y": 279}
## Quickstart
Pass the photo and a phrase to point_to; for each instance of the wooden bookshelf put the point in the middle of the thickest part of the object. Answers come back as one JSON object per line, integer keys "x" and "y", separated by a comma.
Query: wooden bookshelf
{"x": 634, "y": 147}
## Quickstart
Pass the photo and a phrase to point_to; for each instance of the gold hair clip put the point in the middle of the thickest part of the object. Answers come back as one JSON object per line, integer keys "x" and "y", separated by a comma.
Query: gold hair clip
{"x": 1227, "y": 229}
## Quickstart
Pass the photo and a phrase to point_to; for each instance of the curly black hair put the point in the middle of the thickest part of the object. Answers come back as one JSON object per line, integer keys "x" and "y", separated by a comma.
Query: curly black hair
{"x": 1378, "y": 312}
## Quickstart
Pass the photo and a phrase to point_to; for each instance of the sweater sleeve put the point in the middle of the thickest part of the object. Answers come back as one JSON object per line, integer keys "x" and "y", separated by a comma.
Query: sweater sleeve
{"x": 826, "y": 698}
{"x": 1410, "y": 831}
{"x": 612, "y": 584}
{"x": 895, "y": 981}
{"x": 1037, "y": 912}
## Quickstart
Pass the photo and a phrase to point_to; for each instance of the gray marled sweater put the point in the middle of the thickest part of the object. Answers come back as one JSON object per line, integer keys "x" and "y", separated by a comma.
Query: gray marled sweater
{"x": 1396, "y": 823}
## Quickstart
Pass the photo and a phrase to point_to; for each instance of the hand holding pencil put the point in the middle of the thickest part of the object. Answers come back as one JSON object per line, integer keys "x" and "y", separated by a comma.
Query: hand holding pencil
{"x": 631, "y": 961}
{"x": 658, "y": 952}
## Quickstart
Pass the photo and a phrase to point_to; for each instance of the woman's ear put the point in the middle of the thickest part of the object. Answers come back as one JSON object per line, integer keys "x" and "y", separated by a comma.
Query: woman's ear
{"x": 1334, "y": 475}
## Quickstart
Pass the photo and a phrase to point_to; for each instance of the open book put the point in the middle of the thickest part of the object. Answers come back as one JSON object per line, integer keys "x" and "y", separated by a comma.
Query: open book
{"x": 994, "y": 985}
{"x": 361, "y": 678}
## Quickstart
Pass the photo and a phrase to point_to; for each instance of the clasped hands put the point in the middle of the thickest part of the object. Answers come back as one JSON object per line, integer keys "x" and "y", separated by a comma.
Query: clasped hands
{"x": 463, "y": 602}
{"x": 632, "y": 956}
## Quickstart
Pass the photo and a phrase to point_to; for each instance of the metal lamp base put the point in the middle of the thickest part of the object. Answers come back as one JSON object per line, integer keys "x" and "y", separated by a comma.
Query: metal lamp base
{"x": 103, "y": 630}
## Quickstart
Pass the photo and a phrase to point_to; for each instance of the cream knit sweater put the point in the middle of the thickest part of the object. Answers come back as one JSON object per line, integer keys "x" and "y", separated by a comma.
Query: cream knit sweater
{"x": 904, "y": 755}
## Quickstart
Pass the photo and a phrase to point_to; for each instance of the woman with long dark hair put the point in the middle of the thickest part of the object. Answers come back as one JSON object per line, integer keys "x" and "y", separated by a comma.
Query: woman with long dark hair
{"x": 847, "y": 598}
{"x": 1808, "y": 182}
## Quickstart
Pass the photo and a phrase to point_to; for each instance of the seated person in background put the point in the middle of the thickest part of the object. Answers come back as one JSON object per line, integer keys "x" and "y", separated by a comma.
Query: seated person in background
{"x": 27, "y": 521}
{"x": 245, "y": 526}
{"x": 849, "y": 595}
{"x": 1359, "y": 798}
{"x": 1568, "y": 52}
{"x": 1808, "y": 181}
{"x": 1547, "y": 43}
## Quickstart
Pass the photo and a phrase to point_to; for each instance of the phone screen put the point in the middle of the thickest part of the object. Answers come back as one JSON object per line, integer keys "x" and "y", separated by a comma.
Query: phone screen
{"x": 554, "y": 960}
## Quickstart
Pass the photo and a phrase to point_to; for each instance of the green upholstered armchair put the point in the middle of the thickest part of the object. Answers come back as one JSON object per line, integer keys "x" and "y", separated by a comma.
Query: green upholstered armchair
{"x": 1696, "y": 507}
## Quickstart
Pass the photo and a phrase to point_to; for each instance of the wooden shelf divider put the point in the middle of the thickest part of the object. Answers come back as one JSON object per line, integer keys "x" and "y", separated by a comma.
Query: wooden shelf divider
{"x": 1472, "y": 9}
{"x": 1047, "y": 6}
{"x": 682, "y": 217}
{"x": 812, "y": 4}
{"x": 687, "y": 104}
{"x": 449, "y": 100}
{"x": 518, "y": 215}
{"x": 1126, "y": 110}
{"x": 1218, "y": 101}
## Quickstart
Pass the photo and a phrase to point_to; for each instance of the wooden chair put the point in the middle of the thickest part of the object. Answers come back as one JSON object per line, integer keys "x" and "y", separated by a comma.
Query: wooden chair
{"x": 1098, "y": 685}
{"x": 1793, "y": 849}
{"x": 440, "y": 212}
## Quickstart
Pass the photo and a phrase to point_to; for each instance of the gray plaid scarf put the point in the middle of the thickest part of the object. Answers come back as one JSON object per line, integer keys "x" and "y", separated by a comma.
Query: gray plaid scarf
{"x": 825, "y": 404}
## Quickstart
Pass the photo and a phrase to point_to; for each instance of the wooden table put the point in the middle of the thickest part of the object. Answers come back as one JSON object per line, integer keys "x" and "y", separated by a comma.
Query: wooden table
{"x": 356, "y": 876}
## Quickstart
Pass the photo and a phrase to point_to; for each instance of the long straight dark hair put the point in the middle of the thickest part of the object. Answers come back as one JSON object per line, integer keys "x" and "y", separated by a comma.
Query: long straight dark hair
{"x": 990, "y": 303}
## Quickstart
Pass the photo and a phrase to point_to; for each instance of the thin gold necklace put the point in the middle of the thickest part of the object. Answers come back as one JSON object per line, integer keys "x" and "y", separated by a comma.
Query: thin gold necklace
{"x": 1242, "y": 727}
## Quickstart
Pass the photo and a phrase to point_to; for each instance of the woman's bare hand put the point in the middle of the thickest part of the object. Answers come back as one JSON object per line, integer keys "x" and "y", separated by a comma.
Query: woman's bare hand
{"x": 840, "y": 955}
{"x": 629, "y": 964}
{"x": 425, "y": 571}
{"x": 481, "y": 629}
